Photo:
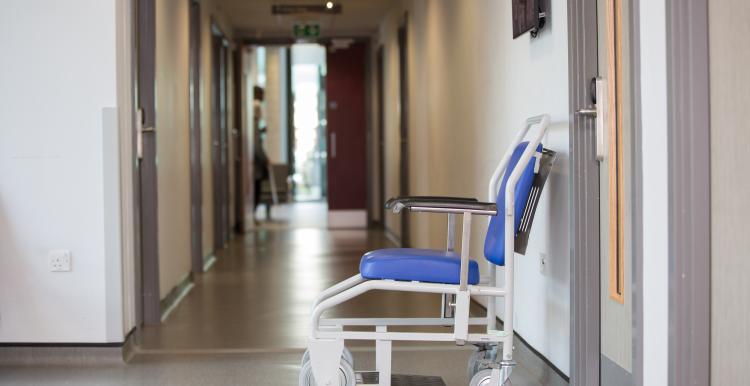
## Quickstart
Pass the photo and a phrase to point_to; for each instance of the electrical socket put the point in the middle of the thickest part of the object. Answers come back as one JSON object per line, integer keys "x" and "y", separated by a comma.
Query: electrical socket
{"x": 60, "y": 260}
{"x": 543, "y": 262}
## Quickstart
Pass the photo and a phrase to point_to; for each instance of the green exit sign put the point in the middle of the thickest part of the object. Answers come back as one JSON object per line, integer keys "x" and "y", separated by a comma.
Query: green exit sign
{"x": 306, "y": 30}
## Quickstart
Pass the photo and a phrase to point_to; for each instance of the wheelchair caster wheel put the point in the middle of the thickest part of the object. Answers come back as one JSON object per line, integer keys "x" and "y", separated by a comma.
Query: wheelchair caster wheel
{"x": 346, "y": 355}
{"x": 346, "y": 374}
{"x": 480, "y": 360}
{"x": 484, "y": 378}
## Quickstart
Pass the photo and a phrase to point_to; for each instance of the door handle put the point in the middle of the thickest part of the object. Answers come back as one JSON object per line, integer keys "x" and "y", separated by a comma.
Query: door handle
{"x": 139, "y": 130}
{"x": 599, "y": 112}
{"x": 333, "y": 145}
{"x": 139, "y": 134}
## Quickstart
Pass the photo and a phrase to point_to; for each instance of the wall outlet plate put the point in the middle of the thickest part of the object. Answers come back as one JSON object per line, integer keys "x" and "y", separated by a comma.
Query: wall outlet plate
{"x": 60, "y": 260}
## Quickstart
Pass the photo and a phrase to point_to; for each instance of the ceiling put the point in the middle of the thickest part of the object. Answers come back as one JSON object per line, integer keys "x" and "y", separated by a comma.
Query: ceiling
{"x": 252, "y": 19}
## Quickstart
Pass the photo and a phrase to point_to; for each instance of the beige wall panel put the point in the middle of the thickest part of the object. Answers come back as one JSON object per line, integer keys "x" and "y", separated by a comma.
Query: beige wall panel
{"x": 730, "y": 191}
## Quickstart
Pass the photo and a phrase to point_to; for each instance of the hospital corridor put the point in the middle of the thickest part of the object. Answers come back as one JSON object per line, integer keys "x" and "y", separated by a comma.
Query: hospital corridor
{"x": 374, "y": 192}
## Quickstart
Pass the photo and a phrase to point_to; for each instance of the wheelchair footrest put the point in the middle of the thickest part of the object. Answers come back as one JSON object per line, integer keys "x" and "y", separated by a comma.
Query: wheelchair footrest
{"x": 372, "y": 378}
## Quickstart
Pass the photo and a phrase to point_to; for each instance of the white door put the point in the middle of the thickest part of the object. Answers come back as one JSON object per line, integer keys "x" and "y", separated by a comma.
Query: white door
{"x": 614, "y": 178}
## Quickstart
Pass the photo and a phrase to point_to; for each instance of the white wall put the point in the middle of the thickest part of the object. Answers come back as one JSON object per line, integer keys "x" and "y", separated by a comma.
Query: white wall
{"x": 471, "y": 87}
{"x": 58, "y": 148}
{"x": 655, "y": 193}
{"x": 530, "y": 77}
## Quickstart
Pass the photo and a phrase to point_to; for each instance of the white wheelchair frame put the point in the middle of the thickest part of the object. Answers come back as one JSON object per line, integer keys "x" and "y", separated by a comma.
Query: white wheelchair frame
{"x": 327, "y": 336}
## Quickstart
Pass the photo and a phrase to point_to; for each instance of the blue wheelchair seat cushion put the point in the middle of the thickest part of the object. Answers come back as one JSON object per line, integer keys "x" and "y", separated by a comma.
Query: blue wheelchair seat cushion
{"x": 412, "y": 264}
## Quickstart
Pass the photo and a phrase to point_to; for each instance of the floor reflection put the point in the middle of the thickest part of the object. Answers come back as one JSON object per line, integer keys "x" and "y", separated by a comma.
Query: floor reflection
{"x": 259, "y": 293}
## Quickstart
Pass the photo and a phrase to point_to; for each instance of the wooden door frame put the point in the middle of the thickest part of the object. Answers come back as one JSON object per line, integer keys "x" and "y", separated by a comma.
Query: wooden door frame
{"x": 146, "y": 200}
{"x": 403, "y": 79}
{"x": 196, "y": 171}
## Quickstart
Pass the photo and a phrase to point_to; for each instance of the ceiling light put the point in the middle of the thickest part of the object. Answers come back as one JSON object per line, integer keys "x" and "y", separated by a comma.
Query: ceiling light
{"x": 329, "y": 5}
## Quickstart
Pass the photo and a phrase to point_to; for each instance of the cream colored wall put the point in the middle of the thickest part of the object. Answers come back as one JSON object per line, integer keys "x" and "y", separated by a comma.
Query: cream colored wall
{"x": 172, "y": 127}
{"x": 388, "y": 39}
{"x": 730, "y": 208}
{"x": 470, "y": 88}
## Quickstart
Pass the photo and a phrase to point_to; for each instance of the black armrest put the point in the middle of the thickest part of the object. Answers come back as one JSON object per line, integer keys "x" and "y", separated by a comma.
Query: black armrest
{"x": 393, "y": 201}
{"x": 442, "y": 205}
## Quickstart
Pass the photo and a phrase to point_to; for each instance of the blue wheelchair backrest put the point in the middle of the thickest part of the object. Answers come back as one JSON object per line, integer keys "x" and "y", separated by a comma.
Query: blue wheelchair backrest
{"x": 494, "y": 243}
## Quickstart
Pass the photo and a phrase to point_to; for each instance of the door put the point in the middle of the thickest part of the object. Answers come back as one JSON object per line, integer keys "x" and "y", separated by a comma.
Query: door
{"x": 196, "y": 173}
{"x": 346, "y": 132}
{"x": 219, "y": 139}
{"x": 403, "y": 81}
{"x": 614, "y": 175}
{"x": 241, "y": 179}
{"x": 380, "y": 201}
{"x": 149, "y": 310}
{"x": 601, "y": 133}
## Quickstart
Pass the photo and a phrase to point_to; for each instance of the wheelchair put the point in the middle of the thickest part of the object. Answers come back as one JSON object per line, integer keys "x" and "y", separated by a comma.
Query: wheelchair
{"x": 524, "y": 169}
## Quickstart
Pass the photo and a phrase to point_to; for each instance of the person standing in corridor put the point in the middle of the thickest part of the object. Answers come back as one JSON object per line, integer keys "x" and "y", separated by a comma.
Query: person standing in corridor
{"x": 260, "y": 158}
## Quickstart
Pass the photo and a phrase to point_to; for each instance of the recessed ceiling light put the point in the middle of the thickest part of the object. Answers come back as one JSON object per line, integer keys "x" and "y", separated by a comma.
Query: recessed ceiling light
{"x": 329, "y": 5}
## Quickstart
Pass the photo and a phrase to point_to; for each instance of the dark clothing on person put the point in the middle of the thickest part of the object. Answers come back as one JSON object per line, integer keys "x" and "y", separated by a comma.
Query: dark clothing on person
{"x": 260, "y": 170}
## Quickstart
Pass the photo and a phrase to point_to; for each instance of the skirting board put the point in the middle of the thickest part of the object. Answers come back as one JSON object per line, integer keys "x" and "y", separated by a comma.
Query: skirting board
{"x": 174, "y": 296}
{"x": 70, "y": 354}
{"x": 348, "y": 218}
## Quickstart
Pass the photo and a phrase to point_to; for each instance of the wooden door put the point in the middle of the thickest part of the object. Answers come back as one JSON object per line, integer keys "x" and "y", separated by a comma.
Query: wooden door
{"x": 346, "y": 130}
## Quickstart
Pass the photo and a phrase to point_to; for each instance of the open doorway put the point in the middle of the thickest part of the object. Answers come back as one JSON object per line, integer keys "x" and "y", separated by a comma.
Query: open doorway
{"x": 309, "y": 122}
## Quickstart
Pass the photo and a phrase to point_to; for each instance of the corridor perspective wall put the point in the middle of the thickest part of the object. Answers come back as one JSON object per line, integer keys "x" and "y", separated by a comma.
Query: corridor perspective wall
{"x": 471, "y": 86}
{"x": 59, "y": 168}
{"x": 173, "y": 146}
{"x": 210, "y": 14}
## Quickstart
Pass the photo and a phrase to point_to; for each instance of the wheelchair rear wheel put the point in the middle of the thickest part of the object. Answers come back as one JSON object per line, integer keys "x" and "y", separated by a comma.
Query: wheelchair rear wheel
{"x": 346, "y": 374}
